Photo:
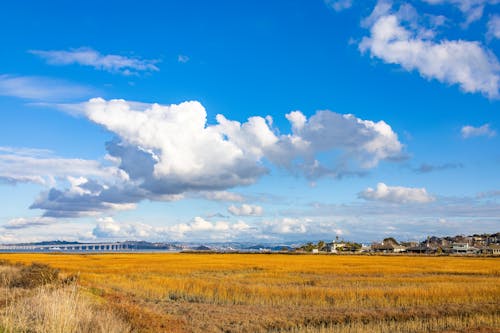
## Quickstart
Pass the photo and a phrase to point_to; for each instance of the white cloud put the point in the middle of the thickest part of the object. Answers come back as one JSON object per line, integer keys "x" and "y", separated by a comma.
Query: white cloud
{"x": 494, "y": 27}
{"x": 466, "y": 63}
{"x": 289, "y": 228}
{"x": 426, "y": 167}
{"x": 40, "y": 167}
{"x": 41, "y": 88}
{"x": 23, "y": 151}
{"x": 106, "y": 62}
{"x": 245, "y": 210}
{"x": 182, "y": 150}
{"x": 361, "y": 144}
{"x": 91, "y": 187}
{"x": 201, "y": 229}
{"x": 182, "y": 58}
{"x": 88, "y": 197}
{"x": 297, "y": 119}
{"x": 222, "y": 196}
{"x": 396, "y": 194}
{"x": 472, "y": 9}
{"x": 28, "y": 222}
{"x": 287, "y": 225}
{"x": 166, "y": 152}
{"x": 339, "y": 5}
{"x": 108, "y": 228}
{"x": 173, "y": 149}
{"x": 488, "y": 194}
{"x": 471, "y": 131}
{"x": 36, "y": 229}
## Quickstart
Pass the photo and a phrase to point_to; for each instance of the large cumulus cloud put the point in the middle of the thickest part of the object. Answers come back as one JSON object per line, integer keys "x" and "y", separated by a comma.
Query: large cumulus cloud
{"x": 166, "y": 151}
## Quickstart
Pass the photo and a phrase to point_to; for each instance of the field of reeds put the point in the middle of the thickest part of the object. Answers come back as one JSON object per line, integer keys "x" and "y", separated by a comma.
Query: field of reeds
{"x": 263, "y": 293}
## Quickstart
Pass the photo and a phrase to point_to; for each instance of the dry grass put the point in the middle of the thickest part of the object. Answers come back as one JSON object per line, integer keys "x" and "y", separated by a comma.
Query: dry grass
{"x": 36, "y": 300}
{"x": 275, "y": 293}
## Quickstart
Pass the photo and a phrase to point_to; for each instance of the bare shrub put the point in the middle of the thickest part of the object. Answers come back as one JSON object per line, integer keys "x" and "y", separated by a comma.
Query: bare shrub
{"x": 35, "y": 275}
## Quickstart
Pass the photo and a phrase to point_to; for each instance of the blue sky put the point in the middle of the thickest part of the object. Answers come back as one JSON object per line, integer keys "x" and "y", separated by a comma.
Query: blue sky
{"x": 249, "y": 121}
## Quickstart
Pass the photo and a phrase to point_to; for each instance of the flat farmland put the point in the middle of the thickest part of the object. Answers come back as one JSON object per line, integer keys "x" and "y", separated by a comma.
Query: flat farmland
{"x": 287, "y": 293}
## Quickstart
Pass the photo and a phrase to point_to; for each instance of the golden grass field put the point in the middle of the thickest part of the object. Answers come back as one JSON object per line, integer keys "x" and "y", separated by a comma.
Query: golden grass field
{"x": 287, "y": 293}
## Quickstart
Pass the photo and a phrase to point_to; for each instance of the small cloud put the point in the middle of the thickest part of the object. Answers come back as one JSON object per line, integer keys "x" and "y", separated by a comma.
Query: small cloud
{"x": 471, "y": 131}
{"x": 396, "y": 194}
{"x": 182, "y": 58}
{"x": 23, "y": 223}
{"x": 426, "y": 168}
{"x": 41, "y": 88}
{"x": 217, "y": 215}
{"x": 339, "y": 5}
{"x": 494, "y": 27}
{"x": 107, "y": 62}
{"x": 108, "y": 228}
{"x": 246, "y": 210}
{"x": 222, "y": 196}
{"x": 488, "y": 194}
{"x": 471, "y": 9}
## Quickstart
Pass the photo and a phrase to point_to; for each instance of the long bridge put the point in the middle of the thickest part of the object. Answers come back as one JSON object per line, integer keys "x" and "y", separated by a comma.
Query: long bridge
{"x": 77, "y": 247}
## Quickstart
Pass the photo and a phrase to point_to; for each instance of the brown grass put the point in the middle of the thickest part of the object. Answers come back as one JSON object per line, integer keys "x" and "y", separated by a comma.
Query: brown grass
{"x": 35, "y": 299}
{"x": 276, "y": 293}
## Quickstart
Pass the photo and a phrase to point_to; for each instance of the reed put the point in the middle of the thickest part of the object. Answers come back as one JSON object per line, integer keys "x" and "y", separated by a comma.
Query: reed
{"x": 275, "y": 293}
{"x": 34, "y": 299}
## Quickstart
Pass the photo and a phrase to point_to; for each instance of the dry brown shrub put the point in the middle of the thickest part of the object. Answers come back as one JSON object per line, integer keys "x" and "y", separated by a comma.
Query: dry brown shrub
{"x": 51, "y": 309}
{"x": 35, "y": 275}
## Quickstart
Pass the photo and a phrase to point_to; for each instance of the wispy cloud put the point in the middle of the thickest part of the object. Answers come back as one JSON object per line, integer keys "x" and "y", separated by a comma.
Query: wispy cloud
{"x": 488, "y": 194}
{"x": 469, "y": 131}
{"x": 29, "y": 222}
{"x": 107, "y": 62}
{"x": 426, "y": 167}
{"x": 339, "y": 5}
{"x": 20, "y": 165}
{"x": 42, "y": 88}
{"x": 472, "y": 9}
{"x": 494, "y": 27}
{"x": 182, "y": 58}
{"x": 222, "y": 196}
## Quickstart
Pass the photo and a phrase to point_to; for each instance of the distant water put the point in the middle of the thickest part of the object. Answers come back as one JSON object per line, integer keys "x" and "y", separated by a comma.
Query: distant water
{"x": 90, "y": 251}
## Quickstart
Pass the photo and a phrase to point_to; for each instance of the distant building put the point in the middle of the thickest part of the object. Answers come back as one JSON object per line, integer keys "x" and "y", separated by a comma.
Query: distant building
{"x": 366, "y": 248}
{"x": 463, "y": 248}
{"x": 388, "y": 248}
{"x": 421, "y": 249}
{"x": 493, "y": 239}
{"x": 491, "y": 249}
{"x": 334, "y": 247}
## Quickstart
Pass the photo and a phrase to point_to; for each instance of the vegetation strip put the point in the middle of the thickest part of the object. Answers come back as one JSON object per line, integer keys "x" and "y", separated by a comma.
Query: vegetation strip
{"x": 281, "y": 293}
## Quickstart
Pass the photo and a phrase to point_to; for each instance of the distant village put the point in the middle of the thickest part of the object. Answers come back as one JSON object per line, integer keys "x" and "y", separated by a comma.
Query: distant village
{"x": 478, "y": 244}
{"x": 484, "y": 244}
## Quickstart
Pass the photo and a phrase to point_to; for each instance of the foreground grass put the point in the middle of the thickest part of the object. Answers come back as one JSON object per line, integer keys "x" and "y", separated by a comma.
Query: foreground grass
{"x": 275, "y": 293}
{"x": 35, "y": 299}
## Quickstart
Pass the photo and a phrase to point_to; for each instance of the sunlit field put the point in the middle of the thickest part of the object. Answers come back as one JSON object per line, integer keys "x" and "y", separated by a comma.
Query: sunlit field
{"x": 296, "y": 293}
